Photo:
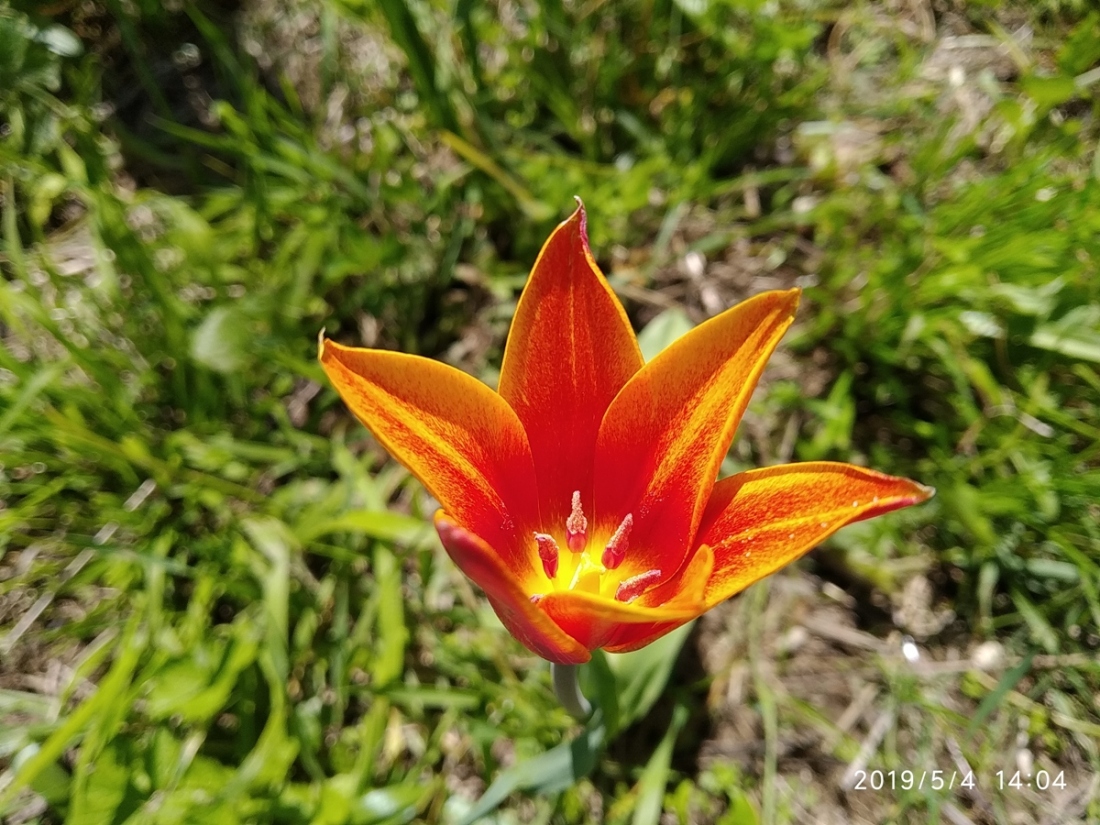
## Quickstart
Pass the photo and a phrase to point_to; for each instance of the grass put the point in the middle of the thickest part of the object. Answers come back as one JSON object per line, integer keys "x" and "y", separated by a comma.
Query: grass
{"x": 219, "y": 599}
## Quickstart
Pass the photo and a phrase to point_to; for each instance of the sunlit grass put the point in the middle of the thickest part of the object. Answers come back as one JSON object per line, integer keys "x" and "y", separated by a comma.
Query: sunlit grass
{"x": 218, "y": 600}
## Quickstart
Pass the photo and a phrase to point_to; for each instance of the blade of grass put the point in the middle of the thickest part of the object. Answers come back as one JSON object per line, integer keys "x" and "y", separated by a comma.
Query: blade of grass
{"x": 654, "y": 780}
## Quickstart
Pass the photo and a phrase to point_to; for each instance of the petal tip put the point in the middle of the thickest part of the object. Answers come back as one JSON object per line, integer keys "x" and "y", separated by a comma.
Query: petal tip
{"x": 794, "y": 296}
{"x": 579, "y": 218}
{"x": 443, "y": 524}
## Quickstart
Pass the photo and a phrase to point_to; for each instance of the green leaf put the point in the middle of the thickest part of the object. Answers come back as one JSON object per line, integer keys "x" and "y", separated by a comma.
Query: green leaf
{"x": 641, "y": 676}
{"x": 275, "y": 541}
{"x": 398, "y": 803}
{"x": 220, "y": 342}
{"x": 60, "y": 41}
{"x": 1037, "y": 301}
{"x": 388, "y": 660}
{"x": 1075, "y": 335}
{"x": 654, "y": 780}
{"x": 663, "y": 330}
{"x": 30, "y": 391}
{"x": 1049, "y": 91}
{"x": 107, "y": 795}
{"x": 992, "y": 701}
{"x": 1040, "y": 628}
{"x": 421, "y": 63}
{"x": 549, "y": 772}
{"x": 198, "y": 686}
{"x": 52, "y": 783}
{"x": 380, "y": 524}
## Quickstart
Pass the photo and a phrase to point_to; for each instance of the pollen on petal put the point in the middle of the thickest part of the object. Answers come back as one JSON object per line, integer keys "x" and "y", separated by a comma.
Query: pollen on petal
{"x": 576, "y": 526}
{"x": 632, "y": 588}
{"x": 548, "y": 554}
{"x": 615, "y": 550}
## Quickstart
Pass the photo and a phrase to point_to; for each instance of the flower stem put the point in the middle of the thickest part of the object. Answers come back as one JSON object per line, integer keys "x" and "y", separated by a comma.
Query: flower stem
{"x": 568, "y": 690}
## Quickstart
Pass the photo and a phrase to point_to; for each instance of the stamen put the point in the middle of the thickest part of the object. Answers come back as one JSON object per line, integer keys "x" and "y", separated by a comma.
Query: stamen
{"x": 615, "y": 550}
{"x": 632, "y": 588}
{"x": 548, "y": 553}
{"x": 576, "y": 526}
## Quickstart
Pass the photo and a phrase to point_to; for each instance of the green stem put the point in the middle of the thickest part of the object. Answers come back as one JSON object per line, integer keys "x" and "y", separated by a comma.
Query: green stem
{"x": 568, "y": 690}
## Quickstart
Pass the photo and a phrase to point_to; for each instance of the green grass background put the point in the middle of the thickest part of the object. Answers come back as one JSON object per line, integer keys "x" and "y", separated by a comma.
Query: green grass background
{"x": 220, "y": 602}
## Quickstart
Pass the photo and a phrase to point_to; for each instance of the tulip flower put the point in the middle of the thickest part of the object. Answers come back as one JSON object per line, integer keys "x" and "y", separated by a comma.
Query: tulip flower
{"x": 583, "y": 496}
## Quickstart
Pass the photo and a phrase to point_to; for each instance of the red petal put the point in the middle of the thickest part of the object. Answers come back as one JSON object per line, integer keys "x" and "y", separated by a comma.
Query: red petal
{"x": 508, "y": 595}
{"x": 664, "y": 436}
{"x": 452, "y": 432}
{"x": 570, "y": 350}
{"x": 762, "y": 520}
{"x": 596, "y": 621}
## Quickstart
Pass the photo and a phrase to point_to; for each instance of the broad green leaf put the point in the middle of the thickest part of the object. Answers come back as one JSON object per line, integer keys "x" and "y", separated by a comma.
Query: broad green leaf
{"x": 52, "y": 783}
{"x": 1075, "y": 335}
{"x": 198, "y": 686}
{"x": 107, "y": 795}
{"x": 1028, "y": 300}
{"x": 662, "y": 331}
{"x": 550, "y": 772}
{"x": 641, "y": 676}
{"x": 220, "y": 342}
{"x": 395, "y": 804}
{"x": 60, "y": 41}
{"x": 1049, "y": 91}
{"x": 381, "y": 524}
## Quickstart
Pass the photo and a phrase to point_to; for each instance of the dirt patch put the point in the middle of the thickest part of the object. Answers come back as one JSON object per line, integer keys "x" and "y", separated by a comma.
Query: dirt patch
{"x": 855, "y": 711}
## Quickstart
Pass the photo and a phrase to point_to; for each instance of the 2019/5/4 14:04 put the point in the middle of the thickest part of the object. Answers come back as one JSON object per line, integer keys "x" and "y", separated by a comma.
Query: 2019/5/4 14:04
{"x": 938, "y": 780}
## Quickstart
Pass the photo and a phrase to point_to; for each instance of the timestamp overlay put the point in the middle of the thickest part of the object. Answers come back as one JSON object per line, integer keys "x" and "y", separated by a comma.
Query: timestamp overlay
{"x": 953, "y": 779}
{"x": 912, "y": 780}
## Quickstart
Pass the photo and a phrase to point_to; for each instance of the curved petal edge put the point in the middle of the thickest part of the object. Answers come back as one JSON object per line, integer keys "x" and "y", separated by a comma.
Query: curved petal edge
{"x": 761, "y": 520}
{"x": 570, "y": 350}
{"x": 452, "y": 432}
{"x": 664, "y": 436}
{"x": 519, "y": 614}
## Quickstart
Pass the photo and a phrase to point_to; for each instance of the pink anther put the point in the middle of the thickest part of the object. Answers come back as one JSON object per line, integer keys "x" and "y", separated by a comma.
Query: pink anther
{"x": 548, "y": 554}
{"x": 632, "y": 588}
{"x": 576, "y": 526}
{"x": 615, "y": 550}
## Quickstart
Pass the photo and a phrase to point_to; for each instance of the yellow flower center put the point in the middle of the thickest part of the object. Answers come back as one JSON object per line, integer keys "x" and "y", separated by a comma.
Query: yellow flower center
{"x": 589, "y": 567}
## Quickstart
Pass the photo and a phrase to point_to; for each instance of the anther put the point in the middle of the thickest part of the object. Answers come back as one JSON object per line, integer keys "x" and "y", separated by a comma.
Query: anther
{"x": 576, "y": 526}
{"x": 548, "y": 553}
{"x": 632, "y": 588}
{"x": 615, "y": 550}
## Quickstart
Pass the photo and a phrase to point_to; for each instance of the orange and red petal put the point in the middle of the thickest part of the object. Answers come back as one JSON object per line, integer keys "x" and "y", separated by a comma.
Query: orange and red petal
{"x": 688, "y": 587}
{"x": 761, "y": 520}
{"x": 596, "y": 621}
{"x": 663, "y": 438}
{"x": 569, "y": 352}
{"x": 508, "y": 595}
{"x": 452, "y": 432}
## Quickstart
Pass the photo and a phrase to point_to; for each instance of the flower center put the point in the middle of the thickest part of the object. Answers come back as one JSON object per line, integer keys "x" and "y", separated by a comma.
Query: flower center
{"x": 590, "y": 567}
